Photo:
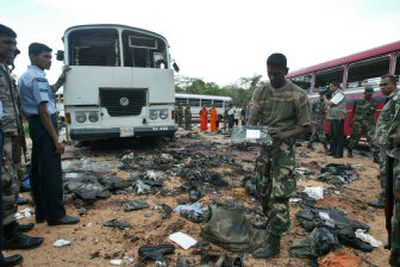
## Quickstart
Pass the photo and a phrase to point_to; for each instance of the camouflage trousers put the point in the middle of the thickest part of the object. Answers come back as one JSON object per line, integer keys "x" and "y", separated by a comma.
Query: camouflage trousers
{"x": 382, "y": 176}
{"x": 188, "y": 125}
{"x": 395, "y": 233}
{"x": 318, "y": 134}
{"x": 276, "y": 183}
{"x": 361, "y": 128}
{"x": 10, "y": 183}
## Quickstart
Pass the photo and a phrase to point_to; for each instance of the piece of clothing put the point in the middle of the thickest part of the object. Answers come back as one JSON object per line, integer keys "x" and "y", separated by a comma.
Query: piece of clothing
{"x": 188, "y": 119}
{"x": 337, "y": 111}
{"x": 213, "y": 120}
{"x": 34, "y": 90}
{"x": 203, "y": 120}
{"x": 395, "y": 233}
{"x": 11, "y": 124}
{"x": 46, "y": 173}
{"x": 275, "y": 183}
{"x": 283, "y": 109}
{"x": 337, "y": 137}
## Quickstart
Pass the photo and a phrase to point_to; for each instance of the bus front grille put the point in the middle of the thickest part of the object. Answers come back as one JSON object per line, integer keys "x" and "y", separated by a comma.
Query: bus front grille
{"x": 123, "y": 102}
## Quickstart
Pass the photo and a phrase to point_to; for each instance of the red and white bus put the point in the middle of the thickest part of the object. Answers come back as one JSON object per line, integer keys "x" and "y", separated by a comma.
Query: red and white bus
{"x": 353, "y": 72}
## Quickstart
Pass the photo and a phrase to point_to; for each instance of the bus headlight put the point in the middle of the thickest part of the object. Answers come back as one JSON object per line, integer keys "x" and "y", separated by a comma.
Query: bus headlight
{"x": 80, "y": 117}
{"x": 164, "y": 114}
{"x": 93, "y": 117}
{"x": 153, "y": 114}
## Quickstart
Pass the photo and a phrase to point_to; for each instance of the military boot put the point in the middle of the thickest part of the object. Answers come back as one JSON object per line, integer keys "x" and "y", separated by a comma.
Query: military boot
{"x": 11, "y": 260}
{"x": 349, "y": 153}
{"x": 394, "y": 259}
{"x": 270, "y": 248}
{"x": 379, "y": 203}
{"x": 13, "y": 239}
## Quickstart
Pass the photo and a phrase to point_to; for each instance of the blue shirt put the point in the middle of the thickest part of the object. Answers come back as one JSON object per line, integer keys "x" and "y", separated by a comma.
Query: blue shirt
{"x": 34, "y": 89}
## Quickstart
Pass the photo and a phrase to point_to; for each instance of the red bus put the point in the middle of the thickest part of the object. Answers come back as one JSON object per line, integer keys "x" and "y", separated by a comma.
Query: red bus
{"x": 354, "y": 72}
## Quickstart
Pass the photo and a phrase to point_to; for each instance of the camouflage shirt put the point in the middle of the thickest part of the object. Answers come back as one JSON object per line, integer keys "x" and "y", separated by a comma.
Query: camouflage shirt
{"x": 318, "y": 110}
{"x": 9, "y": 98}
{"x": 284, "y": 108}
{"x": 388, "y": 122}
{"x": 365, "y": 110}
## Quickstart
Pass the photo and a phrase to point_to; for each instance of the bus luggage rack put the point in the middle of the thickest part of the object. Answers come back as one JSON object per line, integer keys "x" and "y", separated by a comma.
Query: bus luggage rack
{"x": 123, "y": 102}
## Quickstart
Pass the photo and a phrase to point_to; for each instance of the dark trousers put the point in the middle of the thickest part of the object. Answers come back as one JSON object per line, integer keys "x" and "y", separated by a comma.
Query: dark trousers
{"x": 1, "y": 197}
{"x": 46, "y": 174}
{"x": 337, "y": 137}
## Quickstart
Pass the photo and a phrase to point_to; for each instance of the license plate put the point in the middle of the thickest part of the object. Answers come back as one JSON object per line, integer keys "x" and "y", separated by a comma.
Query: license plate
{"x": 126, "y": 132}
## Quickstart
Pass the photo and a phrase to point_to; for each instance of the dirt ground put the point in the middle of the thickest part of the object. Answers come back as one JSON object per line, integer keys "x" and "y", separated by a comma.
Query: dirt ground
{"x": 92, "y": 244}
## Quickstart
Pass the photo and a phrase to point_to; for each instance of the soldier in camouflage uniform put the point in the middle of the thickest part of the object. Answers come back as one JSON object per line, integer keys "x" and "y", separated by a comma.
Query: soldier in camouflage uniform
{"x": 363, "y": 124}
{"x": 387, "y": 135}
{"x": 188, "y": 118}
{"x": 179, "y": 115}
{"x": 283, "y": 107}
{"x": 11, "y": 127}
{"x": 318, "y": 111}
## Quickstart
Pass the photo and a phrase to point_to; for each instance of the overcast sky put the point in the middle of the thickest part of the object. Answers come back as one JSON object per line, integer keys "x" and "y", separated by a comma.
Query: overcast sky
{"x": 217, "y": 40}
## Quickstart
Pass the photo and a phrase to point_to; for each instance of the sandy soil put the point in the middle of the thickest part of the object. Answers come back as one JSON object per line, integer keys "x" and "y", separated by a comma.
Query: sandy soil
{"x": 92, "y": 244}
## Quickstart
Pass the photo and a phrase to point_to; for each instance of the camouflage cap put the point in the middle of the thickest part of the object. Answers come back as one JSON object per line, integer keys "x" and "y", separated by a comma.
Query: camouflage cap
{"x": 369, "y": 90}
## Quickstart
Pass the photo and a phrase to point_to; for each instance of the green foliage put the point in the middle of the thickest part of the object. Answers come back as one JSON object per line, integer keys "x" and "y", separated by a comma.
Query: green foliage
{"x": 240, "y": 92}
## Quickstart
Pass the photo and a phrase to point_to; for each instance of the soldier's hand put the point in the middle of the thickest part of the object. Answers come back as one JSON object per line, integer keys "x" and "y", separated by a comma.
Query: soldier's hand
{"x": 60, "y": 149}
{"x": 66, "y": 68}
{"x": 277, "y": 135}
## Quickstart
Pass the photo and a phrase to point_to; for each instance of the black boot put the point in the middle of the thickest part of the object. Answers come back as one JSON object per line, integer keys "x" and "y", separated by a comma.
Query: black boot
{"x": 11, "y": 260}
{"x": 349, "y": 153}
{"x": 13, "y": 239}
{"x": 25, "y": 227}
{"x": 270, "y": 248}
{"x": 379, "y": 203}
{"x": 394, "y": 259}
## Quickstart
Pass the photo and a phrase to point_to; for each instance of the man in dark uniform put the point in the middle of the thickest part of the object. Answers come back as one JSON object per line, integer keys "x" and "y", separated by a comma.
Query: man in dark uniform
{"x": 318, "y": 111}
{"x": 7, "y": 50}
{"x": 39, "y": 106}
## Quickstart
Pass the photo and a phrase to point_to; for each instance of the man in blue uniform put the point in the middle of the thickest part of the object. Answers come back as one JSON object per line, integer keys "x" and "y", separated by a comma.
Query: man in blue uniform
{"x": 39, "y": 106}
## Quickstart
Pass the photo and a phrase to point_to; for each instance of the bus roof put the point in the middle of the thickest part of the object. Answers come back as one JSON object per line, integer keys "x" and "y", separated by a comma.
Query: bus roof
{"x": 377, "y": 51}
{"x": 226, "y": 98}
{"x": 93, "y": 26}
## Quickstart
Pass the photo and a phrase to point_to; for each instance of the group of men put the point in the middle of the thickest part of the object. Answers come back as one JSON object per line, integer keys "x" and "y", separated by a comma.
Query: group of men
{"x": 32, "y": 99}
{"x": 184, "y": 117}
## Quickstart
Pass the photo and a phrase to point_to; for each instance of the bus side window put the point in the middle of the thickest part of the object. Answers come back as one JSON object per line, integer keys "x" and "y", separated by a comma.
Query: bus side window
{"x": 367, "y": 72}
{"x": 218, "y": 103}
{"x": 182, "y": 101}
{"x": 194, "y": 102}
{"x": 397, "y": 66}
{"x": 325, "y": 77}
{"x": 206, "y": 103}
{"x": 304, "y": 82}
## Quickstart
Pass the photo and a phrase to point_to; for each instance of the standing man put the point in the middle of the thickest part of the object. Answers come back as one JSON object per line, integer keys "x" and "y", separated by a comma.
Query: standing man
{"x": 231, "y": 117}
{"x": 12, "y": 128}
{"x": 336, "y": 112}
{"x": 39, "y": 106}
{"x": 213, "y": 119}
{"x": 363, "y": 122}
{"x": 188, "y": 118}
{"x": 7, "y": 50}
{"x": 318, "y": 112}
{"x": 243, "y": 115}
{"x": 284, "y": 108}
{"x": 387, "y": 135}
{"x": 179, "y": 115}
{"x": 203, "y": 119}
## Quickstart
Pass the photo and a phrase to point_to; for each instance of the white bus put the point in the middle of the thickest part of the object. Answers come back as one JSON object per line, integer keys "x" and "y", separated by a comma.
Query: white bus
{"x": 197, "y": 102}
{"x": 120, "y": 84}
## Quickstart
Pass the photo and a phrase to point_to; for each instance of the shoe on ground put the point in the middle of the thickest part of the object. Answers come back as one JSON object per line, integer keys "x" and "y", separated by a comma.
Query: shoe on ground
{"x": 22, "y": 241}
{"x": 350, "y": 153}
{"x": 25, "y": 227}
{"x": 64, "y": 220}
{"x": 379, "y": 203}
{"x": 11, "y": 260}
{"x": 338, "y": 156}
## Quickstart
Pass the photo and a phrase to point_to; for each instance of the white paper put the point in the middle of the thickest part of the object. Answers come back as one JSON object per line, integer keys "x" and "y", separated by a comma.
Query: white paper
{"x": 314, "y": 192}
{"x": 360, "y": 234}
{"x": 253, "y": 134}
{"x": 116, "y": 262}
{"x": 61, "y": 243}
{"x": 183, "y": 240}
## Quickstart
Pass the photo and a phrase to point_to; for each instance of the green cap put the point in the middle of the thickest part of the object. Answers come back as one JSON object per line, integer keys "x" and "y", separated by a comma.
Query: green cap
{"x": 369, "y": 90}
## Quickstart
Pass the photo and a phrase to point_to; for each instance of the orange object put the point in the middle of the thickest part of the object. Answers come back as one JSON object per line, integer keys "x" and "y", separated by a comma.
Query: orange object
{"x": 213, "y": 119}
{"x": 340, "y": 259}
{"x": 203, "y": 119}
